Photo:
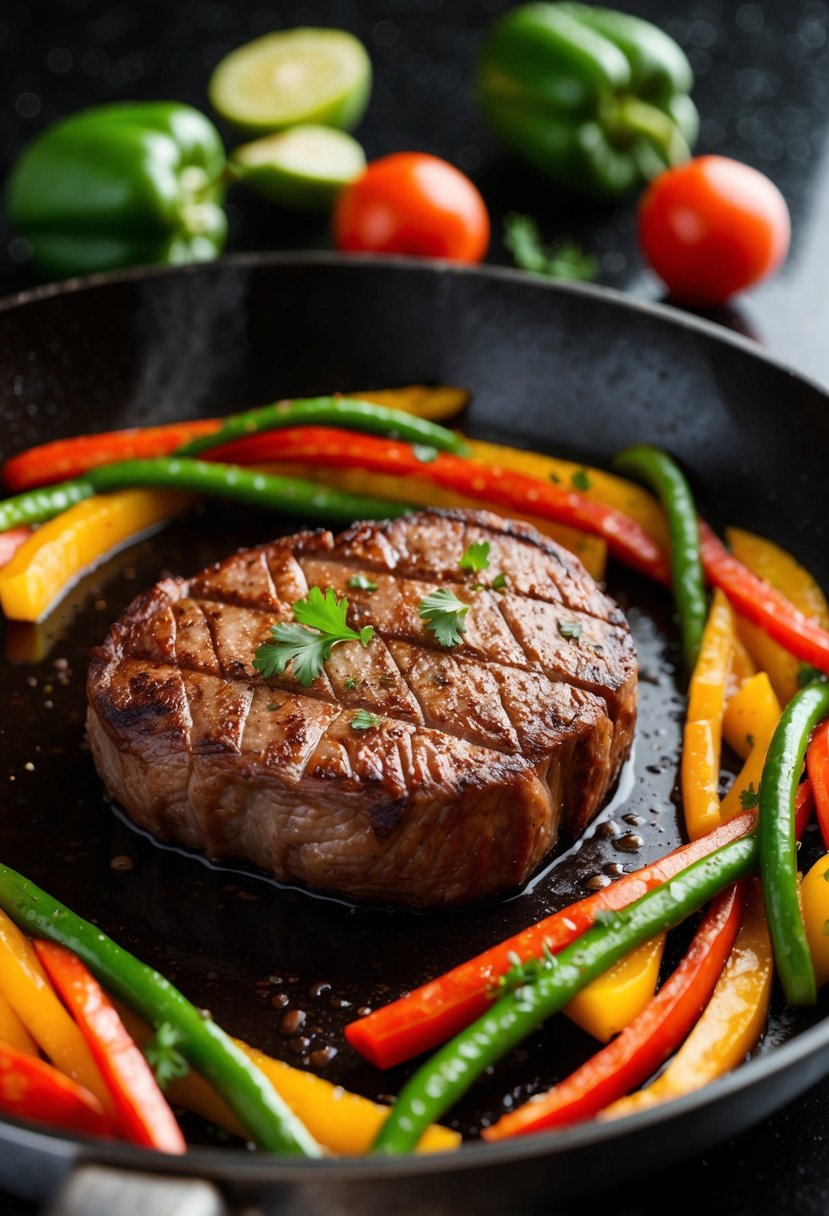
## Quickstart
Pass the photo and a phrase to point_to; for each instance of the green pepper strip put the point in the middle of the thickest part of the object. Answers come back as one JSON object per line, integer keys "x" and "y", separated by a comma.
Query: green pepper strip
{"x": 778, "y": 851}
{"x": 250, "y": 1095}
{"x": 346, "y": 412}
{"x": 289, "y": 495}
{"x": 665, "y": 478}
{"x": 449, "y": 1073}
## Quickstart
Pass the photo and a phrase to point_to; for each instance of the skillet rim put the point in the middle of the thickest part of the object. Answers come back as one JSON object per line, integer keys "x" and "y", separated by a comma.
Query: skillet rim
{"x": 234, "y": 1165}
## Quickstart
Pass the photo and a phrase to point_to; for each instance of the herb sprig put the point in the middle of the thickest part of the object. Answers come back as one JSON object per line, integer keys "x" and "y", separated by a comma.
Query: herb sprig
{"x": 443, "y": 613}
{"x": 562, "y": 261}
{"x": 163, "y": 1056}
{"x": 475, "y": 556}
{"x": 306, "y": 643}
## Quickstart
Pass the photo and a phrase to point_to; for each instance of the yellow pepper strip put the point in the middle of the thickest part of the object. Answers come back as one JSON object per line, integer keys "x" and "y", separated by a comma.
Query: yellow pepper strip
{"x": 731, "y": 1023}
{"x": 590, "y": 550}
{"x": 626, "y": 496}
{"x": 434, "y": 404}
{"x": 24, "y": 984}
{"x": 700, "y": 775}
{"x": 742, "y": 668}
{"x": 613, "y": 1000}
{"x": 60, "y": 551}
{"x": 754, "y": 718}
{"x": 814, "y": 904}
{"x": 779, "y": 568}
{"x": 12, "y": 1031}
{"x": 343, "y": 1122}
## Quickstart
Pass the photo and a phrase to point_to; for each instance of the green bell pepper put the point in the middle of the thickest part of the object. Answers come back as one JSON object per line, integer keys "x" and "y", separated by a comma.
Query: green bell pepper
{"x": 596, "y": 100}
{"x": 121, "y": 185}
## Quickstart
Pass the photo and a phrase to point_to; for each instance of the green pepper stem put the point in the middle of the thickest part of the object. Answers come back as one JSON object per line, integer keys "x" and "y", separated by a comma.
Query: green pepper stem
{"x": 632, "y": 116}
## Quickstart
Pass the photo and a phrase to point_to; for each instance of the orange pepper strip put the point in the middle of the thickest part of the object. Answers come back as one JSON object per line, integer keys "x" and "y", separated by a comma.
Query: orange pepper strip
{"x": 614, "y": 999}
{"x": 12, "y": 1030}
{"x": 752, "y": 715}
{"x": 10, "y": 542}
{"x": 700, "y": 772}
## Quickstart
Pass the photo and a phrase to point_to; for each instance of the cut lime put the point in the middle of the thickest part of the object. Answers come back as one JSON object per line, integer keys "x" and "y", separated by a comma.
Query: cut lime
{"x": 303, "y": 168}
{"x": 296, "y": 76}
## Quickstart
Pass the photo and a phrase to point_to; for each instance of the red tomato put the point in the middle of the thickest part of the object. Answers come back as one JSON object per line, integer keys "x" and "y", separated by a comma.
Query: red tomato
{"x": 410, "y": 202}
{"x": 711, "y": 227}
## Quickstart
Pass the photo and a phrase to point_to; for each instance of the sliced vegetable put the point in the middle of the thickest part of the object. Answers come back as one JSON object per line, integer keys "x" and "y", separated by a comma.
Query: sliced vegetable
{"x": 700, "y": 770}
{"x": 451, "y": 1071}
{"x": 814, "y": 900}
{"x": 754, "y": 720}
{"x": 32, "y": 1089}
{"x": 303, "y": 168}
{"x": 140, "y": 1107}
{"x": 10, "y": 542}
{"x": 61, "y": 551}
{"x": 761, "y": 604}
{"x": 742, "y": 668}
{"x": 667, "y": 481}
{"x": 439, "y": 1009}
{"x": 636, "y": 1053}
{"x": 207, "y": 1048}
{"x": 817, "y": 763}
{"x": 412, "y": 203}
{"x": 625, "y": 538}
{"x": 768, "y": 561}
{"x": 778, "y": 854}
{"x": 612, "y": 1001}
{"x": 731, "y": 1023}
{"x": 12, "y": 1030}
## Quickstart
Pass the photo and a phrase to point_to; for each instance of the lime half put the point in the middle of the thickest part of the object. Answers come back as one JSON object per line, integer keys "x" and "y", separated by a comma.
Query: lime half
{"x": 303, "y": 168}
{"x": 296, "y": 76}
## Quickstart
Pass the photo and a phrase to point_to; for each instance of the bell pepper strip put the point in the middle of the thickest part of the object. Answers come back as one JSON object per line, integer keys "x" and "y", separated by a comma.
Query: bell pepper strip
{"x": 12, "y": 1030}
{"x": 492, "y": 484}
{"x": 666, "y": 479}
{"x": 777, "y": 567}
{"x": 590, "y": 550}
{"x": 141, "y": 1110}
{"x": 762, "y": 604}
{"x": 284, "y": 494}
{"x": 69, "y": 546}
{"x": 814, "y": 901}
{"x": 762, "y": 715}
{"x": 441, "y": 1008}
{"x": 10, "y": 542}
{"x": 644, "y": 1045}
{"x": 32, "y": 1089}
{"x": 751, "y": 713}
{"x": 700, "y": 767}
{"x": 817, "y": 765}
{"x": 804, "y": 806}
{"x": 24, "y": 985}
{"x": 743, "y": 668}
{"x": 342, "y": 1122}
{"x": 612, "y": 1001}
{"x": 730, "y": 1026}
{"x": 626, "y": 496}
{"x": 778, "y": 854}
{"x": 444, "y": 1078}
{"x": 268, "y": 1120}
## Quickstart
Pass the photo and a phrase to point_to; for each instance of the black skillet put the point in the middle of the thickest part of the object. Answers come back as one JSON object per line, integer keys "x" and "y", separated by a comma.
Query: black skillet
{"x": 577, "y": 370}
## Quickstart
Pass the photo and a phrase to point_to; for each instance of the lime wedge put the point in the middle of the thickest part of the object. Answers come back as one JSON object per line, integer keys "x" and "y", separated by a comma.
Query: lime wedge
{"x": 297, "y": 76}
{"x": 303, "y": 168}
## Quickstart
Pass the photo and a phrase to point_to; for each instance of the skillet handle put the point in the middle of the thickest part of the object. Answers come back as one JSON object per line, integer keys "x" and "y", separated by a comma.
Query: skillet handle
{"x": 96, "y": 1190}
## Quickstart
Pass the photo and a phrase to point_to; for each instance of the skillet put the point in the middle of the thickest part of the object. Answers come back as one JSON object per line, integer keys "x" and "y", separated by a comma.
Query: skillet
{"x": 578, "y": 370}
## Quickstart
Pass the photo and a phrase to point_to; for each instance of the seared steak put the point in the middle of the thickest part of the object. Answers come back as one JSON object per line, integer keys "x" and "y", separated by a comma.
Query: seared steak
{"x": 482, "y": 752}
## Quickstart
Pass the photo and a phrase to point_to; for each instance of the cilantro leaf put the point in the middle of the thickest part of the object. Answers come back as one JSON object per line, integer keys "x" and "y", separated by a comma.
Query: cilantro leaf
{"x": 581, "y": 480}
{"x": 351, "y": 683}
{"x": 443, "y": 613}
{"x": 359, "y": 582}
{"x": 500, "y": 582}
{"x": 476, "y": 556}
{"x": 570, "y": 629}
{"x": 163, "y": 1056}
{"x": 363, "y": 720}
{"x": 562, "y": 261}
{"x": 749, "y": 798}
{"x": 306, "y": 643}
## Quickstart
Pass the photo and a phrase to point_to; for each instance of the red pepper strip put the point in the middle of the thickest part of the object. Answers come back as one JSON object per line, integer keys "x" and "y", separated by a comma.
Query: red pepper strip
{"x": 32, "y": 1089}
{"x": 804, "y": 805}
{"x": 62, "y": 459}
{"x": 626, "y": 539}
{"x": 10, "y": 542}
{"x": 817, "y": 766}
{"x": 141, "y": 1108}
{"x": 636, "y": 1053}
{"x": 762, "y": 604}
{"x": 442, "y": 1008}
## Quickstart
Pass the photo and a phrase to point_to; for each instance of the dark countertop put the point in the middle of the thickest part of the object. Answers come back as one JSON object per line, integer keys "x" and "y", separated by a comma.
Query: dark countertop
{"x": 763, "y": 90}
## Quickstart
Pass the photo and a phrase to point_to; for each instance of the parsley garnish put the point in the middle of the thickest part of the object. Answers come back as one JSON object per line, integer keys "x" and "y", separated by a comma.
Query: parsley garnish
{"x": 272, "y": 705}
{"x": 443, "y": 613}
{"x": 570, "y": 629}
{"x": 359, "y": 582}
{"x": 581, "y": 480}
{"x": 163, "y": 1056}
{"x": 476, "y": 556}
{"x": 562, "y": 261}
{"x": 308, "y": 643}
{"x": 500, "y": 582}
{"x": 749, "y": 798}
{"x": 521, "y": 973}
{"x": 363, "y": 720}
{"x": 351, "y": 683}
{"x": 424, "y": 453}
